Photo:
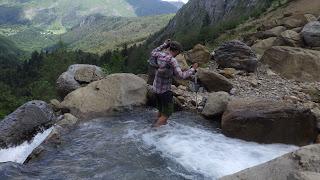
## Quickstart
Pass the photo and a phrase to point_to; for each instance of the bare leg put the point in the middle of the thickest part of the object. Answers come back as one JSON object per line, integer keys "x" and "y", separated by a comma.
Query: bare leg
{"x": 163, "y": 120}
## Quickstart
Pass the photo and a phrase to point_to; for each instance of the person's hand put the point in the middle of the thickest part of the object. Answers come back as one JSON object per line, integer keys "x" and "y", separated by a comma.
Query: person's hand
{"x": 195, "y": 66}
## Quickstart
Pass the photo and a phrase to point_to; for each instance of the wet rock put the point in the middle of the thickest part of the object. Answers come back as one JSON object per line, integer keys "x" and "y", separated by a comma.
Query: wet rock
{"x": 115, "y": 92}
{"x": 294, "y": 63}
{"x": 291, "y": 38}
{"x": 274, "y": 32}
{"x": 311, "y": 34}
{"x": 301, "y": 164}
{"x": 24, "y": 122}
{"x": 216, "y": 104}
{"x": 75, "y": 76}
{"x": 214, "y": 82}
{"x": 236, "y": 54}
{"x": 261, "y": 46}
{"x": 68, "y": 120}
{"x": 267, "y": 121}
{"x": 199, "y": 54}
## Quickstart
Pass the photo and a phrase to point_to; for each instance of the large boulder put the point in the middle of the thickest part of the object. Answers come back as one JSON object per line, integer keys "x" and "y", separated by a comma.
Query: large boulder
{"x": 199, "y": 54}
{"x": 115, "y": 92}
{"x": 311, "y": 34}
{"x": 236, "y": 54}
{"x": 24, "y": 122}
{"x": 216, "y": 104}
{"x": 294, "y": 63}
{"x": 214, "y": 82}
{"x": 291, "y": 38}
{"x": 267, "y": 121}
{"x": 262, "y": 45}
{"x": 76, "y": 76}
{"x": 303, "y": 164}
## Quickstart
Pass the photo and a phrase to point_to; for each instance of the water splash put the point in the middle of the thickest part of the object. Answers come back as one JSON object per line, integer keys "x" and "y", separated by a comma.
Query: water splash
{"x": 211, "y": 154}
{"x": 20, "y": 153}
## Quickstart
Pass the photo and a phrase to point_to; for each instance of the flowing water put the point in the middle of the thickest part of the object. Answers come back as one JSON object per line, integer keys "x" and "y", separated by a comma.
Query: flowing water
{"x": 126, "y": 147}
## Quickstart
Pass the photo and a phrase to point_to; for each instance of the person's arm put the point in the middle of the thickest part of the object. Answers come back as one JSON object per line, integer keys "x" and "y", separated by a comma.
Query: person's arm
{"x": 178, "y": 72}
{"x": 156, "y": 51}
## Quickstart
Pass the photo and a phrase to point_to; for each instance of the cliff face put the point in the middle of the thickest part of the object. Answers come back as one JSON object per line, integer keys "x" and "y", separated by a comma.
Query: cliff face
{"x": 198, "y": 13}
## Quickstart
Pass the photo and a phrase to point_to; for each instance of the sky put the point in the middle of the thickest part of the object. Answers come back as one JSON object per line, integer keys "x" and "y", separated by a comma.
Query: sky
{"x": 185, "y": 1}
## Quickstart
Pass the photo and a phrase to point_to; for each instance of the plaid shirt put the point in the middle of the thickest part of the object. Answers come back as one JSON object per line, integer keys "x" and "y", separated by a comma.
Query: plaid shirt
{"x": 161, "y": 85}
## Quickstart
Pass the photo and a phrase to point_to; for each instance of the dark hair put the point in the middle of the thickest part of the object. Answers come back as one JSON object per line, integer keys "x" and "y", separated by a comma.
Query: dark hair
{"x": 175, "y": 46}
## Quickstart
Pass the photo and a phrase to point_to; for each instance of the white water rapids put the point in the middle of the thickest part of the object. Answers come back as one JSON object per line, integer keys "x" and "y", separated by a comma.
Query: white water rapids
{"x": 125, "y": 147}
{"x": 20, "y": 153}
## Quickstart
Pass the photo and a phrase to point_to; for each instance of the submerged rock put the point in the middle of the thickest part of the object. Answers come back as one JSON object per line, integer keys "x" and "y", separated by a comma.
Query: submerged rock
{"x": 24, "y": 122}
{"x": 214, "y": 82}
{"x": 303, "y": 164}
{"x": 236, "y": 54}
{"x": 75, "y": 76}
{"x": 294, "y": 63}
{"x": 267, "y": 121}
{"x": 115, "y": 92}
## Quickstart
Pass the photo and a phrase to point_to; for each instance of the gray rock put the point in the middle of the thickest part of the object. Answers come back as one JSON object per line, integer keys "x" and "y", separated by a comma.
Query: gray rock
{"x": 316, "y": 112}
{"x": 267, "y": 121}
{"x": 99, "y": 98}
{"x": 199, "y": 54}
{"x": 23, "y": 123}
{"x": 303, "y": 164}
{"x": 311, "y": 34}
{"x": 236, "y": 54}
{"x": 68, "y": 120}
{"x": 274, "y": 32}
{"x": 216, "y": 104}
{"x": 214, "y": 82}
{"x": 75, "y": 76}
{"x": 291, "y": 38}
{"x": 293, "y": 63}
{"x": 261, "y": 46}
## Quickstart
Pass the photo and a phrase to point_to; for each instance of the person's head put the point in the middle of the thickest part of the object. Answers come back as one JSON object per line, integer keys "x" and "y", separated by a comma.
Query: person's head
{"x": 175, "y": 48}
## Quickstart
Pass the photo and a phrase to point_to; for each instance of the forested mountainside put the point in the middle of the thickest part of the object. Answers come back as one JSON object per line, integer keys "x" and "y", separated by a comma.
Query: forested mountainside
{"x": 36, "y": 25}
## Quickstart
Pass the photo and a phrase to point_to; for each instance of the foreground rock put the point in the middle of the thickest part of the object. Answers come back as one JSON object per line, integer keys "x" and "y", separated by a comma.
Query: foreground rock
{"x": 294, "y": 63}
{"x": 199, "y": 54}
{"x": 303, "y": 164}
{"x": 23, "y": 123}
{"x": 214, "y": 82}
{"x": 216, "y": 104}
{"x": 267, "y": 121}
{"x": 115, "y": 92}
{"x": 311, "y": 34}
{"x": 76, "y": 76}
{"x": 236, "y": 54}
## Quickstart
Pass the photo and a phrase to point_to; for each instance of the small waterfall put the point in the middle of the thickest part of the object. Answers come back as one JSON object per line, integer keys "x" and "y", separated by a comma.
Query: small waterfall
{"x": 20, "y": 153}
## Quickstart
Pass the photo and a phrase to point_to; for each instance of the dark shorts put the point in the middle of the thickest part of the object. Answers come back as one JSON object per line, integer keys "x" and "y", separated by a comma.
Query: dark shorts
{"x": 165, "y": 103}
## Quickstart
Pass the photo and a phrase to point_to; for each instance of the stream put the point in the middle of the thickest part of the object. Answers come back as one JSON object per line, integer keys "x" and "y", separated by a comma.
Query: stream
{"x": 124, "y": 146}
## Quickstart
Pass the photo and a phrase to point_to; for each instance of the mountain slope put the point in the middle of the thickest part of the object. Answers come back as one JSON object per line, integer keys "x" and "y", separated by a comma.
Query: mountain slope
{"x": 98, "y": 33}
{"x": 59, "y": 15}
{"x": 197, "y": 14}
